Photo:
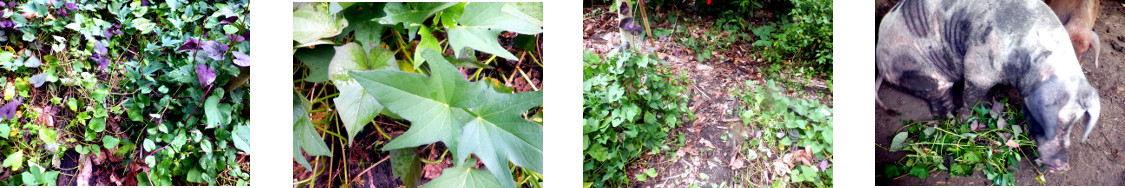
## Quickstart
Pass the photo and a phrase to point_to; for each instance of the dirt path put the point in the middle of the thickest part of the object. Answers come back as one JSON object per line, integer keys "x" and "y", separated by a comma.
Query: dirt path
{"x": 711, "y": 154}
{"x": 1099, "y": 161}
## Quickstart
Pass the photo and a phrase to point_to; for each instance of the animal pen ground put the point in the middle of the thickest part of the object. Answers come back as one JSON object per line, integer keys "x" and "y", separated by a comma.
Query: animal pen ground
{"x": 1098, "y": 161}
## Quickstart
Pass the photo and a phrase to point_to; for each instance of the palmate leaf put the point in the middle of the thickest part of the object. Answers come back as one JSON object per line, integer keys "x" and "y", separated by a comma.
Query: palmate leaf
{"x": 498, "y": 134}
{"x": 304, "y": 134}
{"x": 429, "y": 103}
{"x": 317, "y": 59}
{"x": 311, "y": 23}
{"x": 356, "y": 106}
{"x": 411, "y": 13}
{"x": 482, "y": 23}
{"x": 428, "y": 42}
{"x": 406, "y": 165}
{"x": 463, "y": 175}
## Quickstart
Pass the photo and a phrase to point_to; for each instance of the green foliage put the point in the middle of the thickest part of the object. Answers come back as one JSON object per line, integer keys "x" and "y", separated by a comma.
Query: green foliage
{"x": 630, "y": 103}
{"x": 800, "y": 123}
{"x": 122, "y": 73}
{"x": 990, "y": 141}
{"x": 470, "y": 118}
{"x": 804, "y": 36}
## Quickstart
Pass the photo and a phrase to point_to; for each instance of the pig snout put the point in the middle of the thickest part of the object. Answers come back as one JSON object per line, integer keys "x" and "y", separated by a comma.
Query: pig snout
{"x": 1052, "y": 154}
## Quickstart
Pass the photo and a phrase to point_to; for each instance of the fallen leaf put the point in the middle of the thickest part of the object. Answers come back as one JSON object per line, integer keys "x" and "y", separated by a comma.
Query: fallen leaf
{"x": 706, "y": 143}
{"x": 1012, "y": 143}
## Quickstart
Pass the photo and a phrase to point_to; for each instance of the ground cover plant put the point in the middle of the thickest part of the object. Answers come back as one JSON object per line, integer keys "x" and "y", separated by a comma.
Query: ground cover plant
{"x": 124, "y": 92}
{"x": 992, "y": 141}
{"x": 452, "y": 92}
{"x": 702, "y": 69}
{"x": 631, "y": 101}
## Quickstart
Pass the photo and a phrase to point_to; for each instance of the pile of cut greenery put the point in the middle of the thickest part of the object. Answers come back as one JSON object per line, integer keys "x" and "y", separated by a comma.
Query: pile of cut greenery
{"x": 402, "y": 68}
{"x": 991, "y": 141}
{"x": 124, "y": 92}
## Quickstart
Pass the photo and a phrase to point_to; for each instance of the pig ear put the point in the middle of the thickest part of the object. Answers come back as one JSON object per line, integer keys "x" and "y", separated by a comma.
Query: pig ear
{"x": 1093, "y": 110}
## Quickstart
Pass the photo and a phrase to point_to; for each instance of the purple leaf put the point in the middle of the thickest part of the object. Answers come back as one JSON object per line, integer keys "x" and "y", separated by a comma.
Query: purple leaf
{"x": 7, "y": 24}
{"x": 2, "y": 4}
{"x": 100, "y": 47}
{"x": 71, "y": 6}
{"x": 38, "y": 79}
{"x": 190, "y": 44}
{"x": 246, "y": 34}
{"x": 103, "y": 63}
{"x": 228, "y": 20}
{"x": 823, "y": 165}
{"x": 236, "y": 38}
{"x": 9, "y": 110}
{"x": 144, "y": 3}
{"x": 241, "y": 59}
{"x": 215, "y": 50}
{"x": 205, "y": 73}
{"x": 107, "y": 33}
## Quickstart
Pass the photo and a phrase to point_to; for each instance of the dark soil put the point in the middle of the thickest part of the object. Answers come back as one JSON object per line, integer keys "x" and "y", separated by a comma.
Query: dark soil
{"x": 705, "y": 158}
{"x": 1099, "y": 161}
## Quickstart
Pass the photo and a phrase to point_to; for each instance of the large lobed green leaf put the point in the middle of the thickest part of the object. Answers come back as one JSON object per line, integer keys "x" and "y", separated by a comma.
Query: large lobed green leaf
{"x": 482, "y": 23}
{"x": 304, "y": 134}
{"x": 498, "y": 134}
{"x": 429, "y": 103}
{"x": 463, "y": 175}
{"x": 314, "y": 22}
{"x": 356, "y": 106}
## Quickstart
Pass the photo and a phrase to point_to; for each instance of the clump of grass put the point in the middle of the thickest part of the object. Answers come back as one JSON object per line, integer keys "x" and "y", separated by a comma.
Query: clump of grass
{"x": 993, "y": 141}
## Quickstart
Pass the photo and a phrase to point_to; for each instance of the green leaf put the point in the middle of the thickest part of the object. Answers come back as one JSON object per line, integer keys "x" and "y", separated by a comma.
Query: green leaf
{"x": 406, "y": 166}
{"x": 356, "y": 106}
{"x": 428, "y": 42}
{"x": 463, "y": 175}
{"x": 481, "y": 24}
{"x": 896, "y": 143}
{"x": 144, "y": 25}
{"x": 311, "y": 23}
{"x": 651, "y": 172}
{"x": 317, "y": 59}
{"x": 14, "y": 160}
{"x": 97, "y": 124}
{"x": 5, "y": 130}
{"x": 110, "y": 142}
{"x": 241, "y": 138}
{"x": 920, "y": 171}
{"x": 305, "y": 136}
{"x": 428, "y": 103}
{"x": 499, "y": 134}
{"x": 211, "y": 111}
{"x": 530, "y": 11}
{"x": 411, "y": 15}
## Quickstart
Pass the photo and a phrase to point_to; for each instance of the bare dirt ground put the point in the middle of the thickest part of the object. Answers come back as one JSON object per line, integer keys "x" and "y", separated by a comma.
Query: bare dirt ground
{"x": 1099, "y": 161}
{"x": 706, "y": 159}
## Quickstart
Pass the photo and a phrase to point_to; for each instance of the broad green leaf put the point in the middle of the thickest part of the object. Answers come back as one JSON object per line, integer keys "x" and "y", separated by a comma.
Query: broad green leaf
{"x": 530, "y": 11}
{"x": 428, "y": 42}
{"x": 896, "y": 143}
{"x": 211, "y": 111}
{"x": 305, "y": 136}
{"x": 14, "y": 160}
{"x": 311, "y": 23}
{"x": 356, "y": 106}
{"x": 241, "y": 138}
{"x": 429, "y": 103}
{"x": 367, "y": 31}
{"x": 499, "y": 134}
{"x": 450, "y": 16}
{"x": 110, "y": 142}
{"x": 463, "y": 175}
{"x": 480, "y": 25}
{"x": 411, "y": 15}
{"x": 317, "y": 59}
{"x": 406, "y": 166}
{"x": 144, "y": 25}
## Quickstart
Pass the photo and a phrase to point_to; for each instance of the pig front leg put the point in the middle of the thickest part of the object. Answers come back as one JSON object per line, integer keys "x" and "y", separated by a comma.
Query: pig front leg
{"x": 935, "y": 89}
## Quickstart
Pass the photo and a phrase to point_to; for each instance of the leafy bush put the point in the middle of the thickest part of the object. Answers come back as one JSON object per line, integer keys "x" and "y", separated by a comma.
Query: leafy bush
{"x": 990, "y": 141}
{"x": 804, "y": 35}
{"x": 162, "y": 85}
{"x": 471, "y": 118}
{"x": 788, "y": 123}
{"x": 630, "y": 103}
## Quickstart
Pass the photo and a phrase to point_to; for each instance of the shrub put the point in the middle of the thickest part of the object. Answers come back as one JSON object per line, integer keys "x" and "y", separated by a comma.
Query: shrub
{"x": 630, "y": 103}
